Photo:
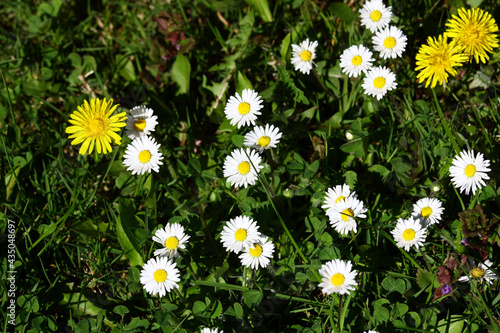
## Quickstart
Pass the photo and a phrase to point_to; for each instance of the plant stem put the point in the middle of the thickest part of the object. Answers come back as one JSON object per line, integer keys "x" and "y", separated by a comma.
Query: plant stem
{"x": 445, "y": 124}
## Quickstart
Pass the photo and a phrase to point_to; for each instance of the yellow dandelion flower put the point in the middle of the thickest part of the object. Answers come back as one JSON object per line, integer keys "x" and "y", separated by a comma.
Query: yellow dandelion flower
{"x": 93, "y": 124}
{"x": 474, "y": 31}
{"x": 437, "y": 59}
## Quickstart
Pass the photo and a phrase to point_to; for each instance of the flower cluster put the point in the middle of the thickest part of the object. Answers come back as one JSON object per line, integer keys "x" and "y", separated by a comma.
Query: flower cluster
{"x": 241, "y": 235}
{"x": 160, "y": 274}
{"x": 470, "y": 35}
{"x": 388, "y": 40}
{"x": 243, "y": 165}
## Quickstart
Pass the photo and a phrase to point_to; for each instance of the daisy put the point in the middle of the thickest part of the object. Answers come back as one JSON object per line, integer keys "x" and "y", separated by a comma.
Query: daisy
{"x": 242, "y": 166}
{"x": 475, "y": 31}
{"x": 479, "y": 272}
{"x": 211, "y": 330}
{"x": 239, "y": 232}
{"x": 390, "y": 42}
{"x": 142, "y": 155}
{"x": 335, "y": 195}
{"x": 258, "y": 253}
{"x": 343, "y": 214}
{"x": 159, "y": 275}
{"x": 337, "y": 277}
{"x": 355, "y": 60}
{"x": 375, "y": 16}
{"x": 94, "y": 124}
{"x": 437, "y": 60}
{"x": 378, "y": 81}
{"x": 172, "y": 237}
{"x": 408, "y": 233}
{"x": 141, "y": 122}
{"x": 263, "y": 137}
{"x": 243, "y": 110}
{"x": 428, "y": 211}
{"x": 303, "y": 56}
{"x": 468, "y": 172}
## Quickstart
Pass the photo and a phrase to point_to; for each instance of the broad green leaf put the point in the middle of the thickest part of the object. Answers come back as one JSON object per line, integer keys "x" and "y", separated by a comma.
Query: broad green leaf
{"x": 399, "y": 310}
{"x": 238, "y": 310}
{"x": 79, "y": 303}
{"x": 311, "y": 170}
{"x": 399, "y": 165}
{"x": 242, "y": 82}
{"x": 262, "y": 7}
{"x": 412, "y": 319}
{"x": 391, "y": 284}
{"x": 343, "y": 12}
{"x": 351, "y": 178}
{"x": 125, "y": 224}
{"x": 238, "y": 140}
{"x": 426, "y": 280}
{"x": 252, "y": 297}
{"x": 352, "y": 146}
{"x": 122, "y": 310}
{"x": 136, "y": 323}
{"x": 181, "y": 73}
{"x": 380, "y": 169}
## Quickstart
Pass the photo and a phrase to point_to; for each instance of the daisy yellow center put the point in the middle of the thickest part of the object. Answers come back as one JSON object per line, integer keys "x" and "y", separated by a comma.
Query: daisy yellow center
{"x": 97, "y": 126}
{"x": 409, "y": 234}
{"x": 244, "y": 108}
{"x": 379, "y": 82}
{"x": 376, "y": 15}
{"x": 140, "y": 125}
{"x": 256, "y": 251}
{"x": 144, "y": 156}
{"x": 337, "y": 279}
{"x": 426, "y": 212}
{"x": 240, "y": 235}
{"x": 346, "y": 213}
{"x": 306, "y": 55}
{"x": 171, "y": 243}
{"x": 160, "y": 275}
{"x": 389, "y": 42}
{"x": 340, "y": 199}
{"x": 264, "y": 141}
{"x": 477, "y": 272}
{"x": 470, "y": 170}
{"x": 357, "y": 60}
{"x": 244, "y": 168}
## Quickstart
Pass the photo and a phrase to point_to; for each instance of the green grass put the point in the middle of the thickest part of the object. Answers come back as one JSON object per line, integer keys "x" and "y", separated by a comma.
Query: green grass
{"x": 83, "y": 224}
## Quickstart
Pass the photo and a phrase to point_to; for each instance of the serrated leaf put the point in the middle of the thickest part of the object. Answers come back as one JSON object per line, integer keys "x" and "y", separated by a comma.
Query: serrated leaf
{"x": 287, "y": 80}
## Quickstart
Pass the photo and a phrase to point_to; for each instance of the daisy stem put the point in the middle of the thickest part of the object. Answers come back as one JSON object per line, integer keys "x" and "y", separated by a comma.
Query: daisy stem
{"x": 445, "y": 124}
{"x": 181, "y": 296}
{"x": 332, "y": 322}
{"x": 425, "y": 258}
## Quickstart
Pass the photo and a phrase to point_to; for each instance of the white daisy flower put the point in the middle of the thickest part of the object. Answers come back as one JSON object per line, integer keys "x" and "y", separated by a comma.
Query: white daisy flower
{"x": 390, "y": 42}
{"x": 242, "y": 167}
{"x": 141, "y": 122}
{"x": 258, "y": 253}
{"x": 468, "y": 172}
{"x": 239, "y": 232}
{"x": 428, "y": 211}
{"x": 335, "y": 195}
{"x": 479, "y": 272}
{"x": 211, "y": 330}
{"x": 263, "y": 137}
{"x": 342, "y": 215}
{"x": 378, "y": 81}
{"x": 375, "y": 16}
{"x": 159, "y": 275}
{"x": 356, "y": 60}
{"x": 172, "y": 237}
{"x": 142, "y": 155}
{"x": 243, "y": 110}
{"x": 408, "y": 233}
{"x": 303, "y": 55}
{"x": 337, "y": 277}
